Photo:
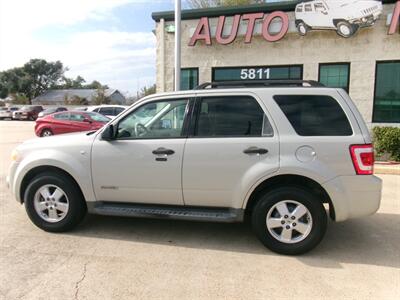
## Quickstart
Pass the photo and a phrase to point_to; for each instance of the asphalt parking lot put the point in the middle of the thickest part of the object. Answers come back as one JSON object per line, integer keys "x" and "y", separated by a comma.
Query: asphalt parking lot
{"x": 118, "y": 258}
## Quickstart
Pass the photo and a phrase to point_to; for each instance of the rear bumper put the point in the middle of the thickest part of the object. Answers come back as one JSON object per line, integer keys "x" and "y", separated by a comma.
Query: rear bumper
{"x": 354, "y": 196}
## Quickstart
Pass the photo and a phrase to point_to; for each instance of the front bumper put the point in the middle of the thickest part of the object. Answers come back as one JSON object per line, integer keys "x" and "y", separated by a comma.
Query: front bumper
{"x": 354, "y": 196}
{"x": 10, "y": 182}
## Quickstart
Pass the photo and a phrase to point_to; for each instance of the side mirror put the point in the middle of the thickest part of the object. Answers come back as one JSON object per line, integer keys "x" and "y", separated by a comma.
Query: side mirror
{"x": 86, "y": 120}
{"x": 108, "y": 133}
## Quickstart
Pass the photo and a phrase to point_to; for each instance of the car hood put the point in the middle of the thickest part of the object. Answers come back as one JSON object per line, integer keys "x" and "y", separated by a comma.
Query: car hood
{"x": 61, "y": 142}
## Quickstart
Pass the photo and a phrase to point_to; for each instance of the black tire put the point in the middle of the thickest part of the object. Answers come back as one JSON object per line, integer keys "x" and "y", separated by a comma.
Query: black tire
{"x": 77, "y": 206}
{"x": 46, "y": 132}
{"x": 31, "y": 118}
{"x": 345, "y": 29}
{"x": 302, "y": 28}
{"x": 304, "y": 197}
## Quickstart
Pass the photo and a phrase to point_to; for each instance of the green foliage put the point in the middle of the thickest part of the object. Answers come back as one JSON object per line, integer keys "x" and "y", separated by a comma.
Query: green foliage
{"x": 32, "y": 79}
{"x": 100, "y": 97}
{"x": 19, "y": 98}
{"x": 146, "y": 91}
{"x": 387, "y": 141}
{"x": 75, "y": 100}
{"x": 38, "y": 75}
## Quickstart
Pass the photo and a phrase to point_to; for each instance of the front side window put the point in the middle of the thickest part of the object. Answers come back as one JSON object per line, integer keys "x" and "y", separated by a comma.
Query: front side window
{"x": 387, "y": 93}
{"x": 76, "y": 117}
{"x": 335, "y": 75}
{"x": 154, "y": 120}
{"x": 97, "y": 117}
{"x": 319, "y": 7}
{"x": 238, "y": 116}
{"x": 308, "y": 7}
{"x": 314, "y": 115}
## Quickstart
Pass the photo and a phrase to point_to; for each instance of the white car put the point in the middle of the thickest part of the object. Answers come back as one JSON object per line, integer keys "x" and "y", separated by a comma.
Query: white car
{"x": 7, "y": 112}
{"x": 344, "y": 16}
{"x": 110, "y": 111}
{"x": 274, "y": 155}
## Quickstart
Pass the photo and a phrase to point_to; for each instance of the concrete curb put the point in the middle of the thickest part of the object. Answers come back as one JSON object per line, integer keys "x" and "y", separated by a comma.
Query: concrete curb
{"x": 390, "y": 169}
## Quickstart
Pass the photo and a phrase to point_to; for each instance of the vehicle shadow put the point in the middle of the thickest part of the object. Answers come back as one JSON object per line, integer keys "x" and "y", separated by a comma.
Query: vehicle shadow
{"x": 373, "y": 240}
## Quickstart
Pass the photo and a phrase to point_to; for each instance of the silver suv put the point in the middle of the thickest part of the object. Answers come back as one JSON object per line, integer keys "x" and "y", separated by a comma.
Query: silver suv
{"x": 275, "y": 153}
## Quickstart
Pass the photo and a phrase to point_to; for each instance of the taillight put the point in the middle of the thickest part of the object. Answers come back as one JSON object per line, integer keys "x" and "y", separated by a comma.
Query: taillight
{"x": 363, "y": 158}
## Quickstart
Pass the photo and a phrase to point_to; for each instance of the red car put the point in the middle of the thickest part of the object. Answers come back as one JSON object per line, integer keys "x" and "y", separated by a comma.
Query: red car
{"x": 69, "y": 121}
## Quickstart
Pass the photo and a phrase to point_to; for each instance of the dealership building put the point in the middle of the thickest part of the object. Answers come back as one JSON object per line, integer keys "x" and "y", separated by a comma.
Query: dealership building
{"x": 354, "y": 45}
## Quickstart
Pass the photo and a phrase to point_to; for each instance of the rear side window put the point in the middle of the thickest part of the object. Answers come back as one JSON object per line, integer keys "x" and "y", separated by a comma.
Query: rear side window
{"x": 314, "y": 115}
{"x": 109, "y": 111}
{"x": 238, "y": 116}
{"x": 61, "y": 116}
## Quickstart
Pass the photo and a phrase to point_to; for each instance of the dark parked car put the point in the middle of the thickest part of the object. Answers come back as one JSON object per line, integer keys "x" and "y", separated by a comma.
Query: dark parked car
{"x": 28, "y": 112}
{"x": 65, "y": 122}
{"x": 52, "y": 110}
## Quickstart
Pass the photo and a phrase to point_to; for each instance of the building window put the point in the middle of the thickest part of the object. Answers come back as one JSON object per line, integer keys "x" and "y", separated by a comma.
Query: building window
{"x": 189, "y": 78}
{"x": 387, "y": 92}
{"x": 257, "y": 73}
{"x": 335, "y": 75}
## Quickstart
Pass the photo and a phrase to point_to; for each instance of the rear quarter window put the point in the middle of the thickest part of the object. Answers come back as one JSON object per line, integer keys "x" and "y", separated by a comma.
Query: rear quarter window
{"x": 313, "y": 115}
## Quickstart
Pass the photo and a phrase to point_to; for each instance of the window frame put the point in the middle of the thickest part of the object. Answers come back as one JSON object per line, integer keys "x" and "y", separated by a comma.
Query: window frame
{"x": 185, "y": 125}
{"x": 195, "y": 113}
{"x": 301, "y": 66}
{"x": 190, "y": 68}
{"x": 375, "y": 90}
{"x": 348, "y": 64}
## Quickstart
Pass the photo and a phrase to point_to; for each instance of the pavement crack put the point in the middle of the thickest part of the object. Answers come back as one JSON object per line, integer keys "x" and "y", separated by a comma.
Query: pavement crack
{"x": 78, "y": 283}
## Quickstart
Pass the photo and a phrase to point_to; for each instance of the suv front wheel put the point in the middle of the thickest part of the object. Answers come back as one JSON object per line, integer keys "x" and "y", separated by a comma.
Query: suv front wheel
{"x": 289, "y": 220}
{"x": 54, "y": 202}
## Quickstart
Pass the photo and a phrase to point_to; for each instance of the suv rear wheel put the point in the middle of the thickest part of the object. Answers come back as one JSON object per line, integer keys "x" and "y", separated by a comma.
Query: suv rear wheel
{"x": 289, "y": 220}
{"x": 54, "y": 202}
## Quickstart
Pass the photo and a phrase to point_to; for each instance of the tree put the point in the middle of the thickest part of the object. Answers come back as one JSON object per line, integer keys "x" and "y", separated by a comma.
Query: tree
{"x": 214, "y": 3}
{"x": 100, "y": 97}
{"x": 32, "y": 79}
{"x": 146, "y": 91}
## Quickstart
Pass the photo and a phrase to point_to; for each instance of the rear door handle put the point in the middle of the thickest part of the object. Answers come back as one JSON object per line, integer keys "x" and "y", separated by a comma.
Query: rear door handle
{"x": 163, "y": 151}
{"x": 255, "y": 150}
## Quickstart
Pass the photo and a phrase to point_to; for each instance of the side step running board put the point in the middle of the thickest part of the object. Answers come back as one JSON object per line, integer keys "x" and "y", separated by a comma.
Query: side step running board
{"x": 206, "y": 214}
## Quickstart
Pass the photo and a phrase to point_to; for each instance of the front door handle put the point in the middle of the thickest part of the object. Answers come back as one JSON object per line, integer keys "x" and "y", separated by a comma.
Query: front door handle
{"x": 255, "y": 150}
{"x": 163, "y": 151}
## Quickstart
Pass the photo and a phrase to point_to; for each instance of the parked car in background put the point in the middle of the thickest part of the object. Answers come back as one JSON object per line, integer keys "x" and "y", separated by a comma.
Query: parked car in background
{"x": 7, "y": 112}
{"x": 28, "y": 112}
{"x": 51, "y": 110}
{"x": 110, "y": 111}
{"x": 65, "y": 122}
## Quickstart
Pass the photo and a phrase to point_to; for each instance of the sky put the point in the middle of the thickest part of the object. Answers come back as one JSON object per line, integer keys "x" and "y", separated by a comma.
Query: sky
{"x": 106, "y": 40}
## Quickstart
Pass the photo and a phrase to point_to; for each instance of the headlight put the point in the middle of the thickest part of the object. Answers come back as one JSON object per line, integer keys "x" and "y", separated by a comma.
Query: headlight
{"x": 15, "y": 155}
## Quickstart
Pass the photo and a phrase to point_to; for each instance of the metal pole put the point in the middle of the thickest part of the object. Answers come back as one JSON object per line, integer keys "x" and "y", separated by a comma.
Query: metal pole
{"x": 177, "y": 45}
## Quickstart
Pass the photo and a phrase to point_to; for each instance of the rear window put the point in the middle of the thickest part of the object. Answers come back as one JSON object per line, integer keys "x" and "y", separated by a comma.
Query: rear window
{"x": 314, "y": 115}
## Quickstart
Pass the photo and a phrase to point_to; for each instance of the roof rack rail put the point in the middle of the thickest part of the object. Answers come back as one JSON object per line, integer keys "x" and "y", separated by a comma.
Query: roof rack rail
{"x": 259, "y": 83}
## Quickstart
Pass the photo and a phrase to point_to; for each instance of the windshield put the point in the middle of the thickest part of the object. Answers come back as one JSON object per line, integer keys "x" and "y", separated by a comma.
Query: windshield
{"x": 98, "y": 117}
{"x": 25, "y": 108}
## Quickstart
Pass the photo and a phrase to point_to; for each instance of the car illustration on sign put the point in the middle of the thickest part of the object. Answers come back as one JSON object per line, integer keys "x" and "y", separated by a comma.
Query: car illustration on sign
{"x": 344, "y": 16}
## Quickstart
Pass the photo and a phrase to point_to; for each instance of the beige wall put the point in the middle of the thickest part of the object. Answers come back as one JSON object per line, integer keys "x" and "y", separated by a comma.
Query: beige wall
{"x": 362, "y": 50}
